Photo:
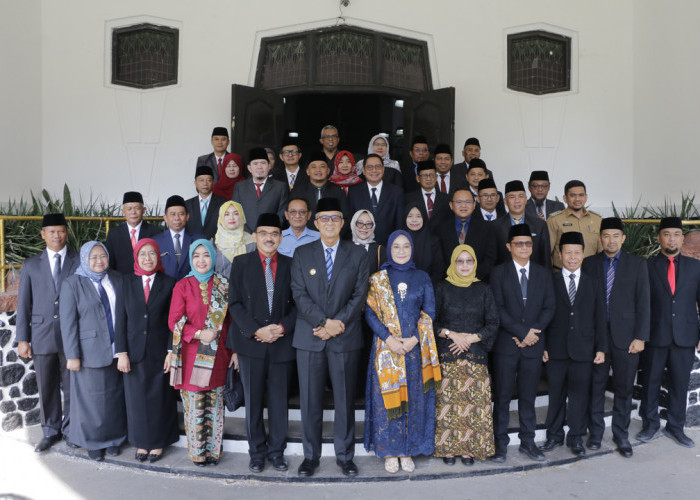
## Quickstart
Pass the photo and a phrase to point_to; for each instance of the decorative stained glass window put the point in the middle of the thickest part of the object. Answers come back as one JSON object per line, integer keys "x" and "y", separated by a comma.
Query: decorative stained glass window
{"x": 403, "y": 65}
{"x": 145, "y": 56}
{"x": 284, "y": 64}
{"x": 539, "y": 62}
{"x": 344, "y": 58}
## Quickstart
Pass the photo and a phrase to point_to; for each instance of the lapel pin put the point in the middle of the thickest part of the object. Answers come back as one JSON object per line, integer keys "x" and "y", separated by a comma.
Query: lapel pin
{"x": 312, "y": 272}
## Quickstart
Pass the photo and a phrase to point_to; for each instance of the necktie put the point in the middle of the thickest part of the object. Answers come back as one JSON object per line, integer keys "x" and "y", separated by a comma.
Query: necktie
{"x": 133, "y": 238}
{"x": 257, "y": 188}
{"x": 515, "y": 222}
{"x": 443, "y": 186}
{"x": 672, "y": 274}
{"x": 147, "y": 289}
{"x": 489, "y": 216}
{"x": 540, "y": 213}
{"x": 318, "y": 193}
{"x": 108, "y": 310}
{"x": 218, "y": 167}
{"x": 269, "y": 283}
{"x": 374, "y": 200}
{"x": 609, "y": 279}
{"x": 463, "y": 233}
{"x": 523, "y": 283}
{"x": 56, "y": 269}
{"x": 292, "y": 178}
{"x": 572, "y": 288}
{"x": 203, "y": 213}
{"x": 178, "y": 248}
{"x": 430, "y": 204}
{"x": 329, "y": 263}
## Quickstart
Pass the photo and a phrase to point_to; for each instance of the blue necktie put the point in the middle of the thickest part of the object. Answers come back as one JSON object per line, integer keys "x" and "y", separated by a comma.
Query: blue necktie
{"x": 108, "y": 310}
{"x": 374, "y": 200}
{"x": 523, "y": 283}
{"x": 609, "y": 280}
{"x": 329, "y": 263}
{"x": 269, "y": 283}
{"x": 488, "y": 216}
{"x": 205, "y": 204}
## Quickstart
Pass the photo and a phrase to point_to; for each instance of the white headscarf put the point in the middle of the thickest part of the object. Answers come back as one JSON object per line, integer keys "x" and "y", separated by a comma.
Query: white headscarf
{"x": 355, "y": 238}
{"x": 386, "y": 159}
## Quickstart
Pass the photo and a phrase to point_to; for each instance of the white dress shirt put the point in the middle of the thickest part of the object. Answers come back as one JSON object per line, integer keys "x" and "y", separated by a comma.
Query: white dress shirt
{"x": 52, "y": 259}
{"x": 378, "y": 187}
{"x": 565, "y": 273}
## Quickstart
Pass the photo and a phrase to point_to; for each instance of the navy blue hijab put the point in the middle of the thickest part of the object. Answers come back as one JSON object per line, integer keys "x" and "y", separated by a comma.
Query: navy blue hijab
{"x": 390, "y": 261}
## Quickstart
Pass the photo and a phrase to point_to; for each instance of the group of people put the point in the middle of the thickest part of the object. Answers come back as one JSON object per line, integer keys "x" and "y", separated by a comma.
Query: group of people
{"x": 420, "y": 285}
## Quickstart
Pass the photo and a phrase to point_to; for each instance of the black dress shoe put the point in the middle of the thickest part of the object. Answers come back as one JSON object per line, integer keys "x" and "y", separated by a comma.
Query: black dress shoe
{"x": 468, "y": 460}
{"x": 307, "y": 467}
{"x": 578, "y": 449}
{"x": 499, "y": 457}
{"x": 449, "y": 460}
{"x": 624, "y": 448}
{"x": 213, "y": 461}
{"x": 47, "y": 443}
{"x": 279, "y": 463}
{"x": 348, "y": 467}
{"x": 200, "y": 464}
{"x": 679, "y": 437}
{"x": 96, "y": 455}
{"x": 593, "y": 444}
{"x": 532, "y": 451}
{"x": 550, "y": 444}
{"x": 70, "y": 444}
{"x": 152, "y": 458}
{"x": 112, "y": 451}
{"x": 256, "y": 465}
{"x": 648, "y": 434}
{"x": 141, "y": 457}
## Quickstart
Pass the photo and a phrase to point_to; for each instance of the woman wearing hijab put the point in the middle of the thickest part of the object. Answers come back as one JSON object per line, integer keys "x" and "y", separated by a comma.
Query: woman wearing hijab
{"x": 231, "y": 239}
{"x": 199, "y": 358}
{"x": 378, "y": 145}
{"x": 404, "y": 367}
{"x": 230, "y": 173}
{"x": 362, "y": 227}
{"x": 466, "y": 324}
{"x": 427, "y": 253}
{"x": 141, "y": 337}
{"x": 87, "y": 310}
{"x": 345, "y": 172}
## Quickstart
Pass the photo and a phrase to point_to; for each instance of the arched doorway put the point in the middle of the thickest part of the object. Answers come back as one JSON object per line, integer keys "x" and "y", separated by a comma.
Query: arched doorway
{"x": 361, "y": 81}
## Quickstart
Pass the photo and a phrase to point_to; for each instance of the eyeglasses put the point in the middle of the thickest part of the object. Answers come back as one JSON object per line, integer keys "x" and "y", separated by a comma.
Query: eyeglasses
{"x": 329, "y": 218}
{"x": 151, "y": 254}
{"x": 521, "y": 244}
{"x": 298, "y": 213}
{"x": 544, "y": 185}
{"x": 484, "y": 195}
{"x": 366, "y": 225}
{"x": 335, "y": 136}
{"x": 290, "y": 152}
{"x": 265, "y": 234}
{"x": 463, "y": 203}
{"x": 464, "y": 262}
{"x": 427, "y": 176}
{"x": 374, "y": 167}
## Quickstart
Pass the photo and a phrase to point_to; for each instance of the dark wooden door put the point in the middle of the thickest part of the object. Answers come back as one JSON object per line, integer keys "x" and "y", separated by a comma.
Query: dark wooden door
{"x": 431, "y": 114}
{"x": 257, "y": 119}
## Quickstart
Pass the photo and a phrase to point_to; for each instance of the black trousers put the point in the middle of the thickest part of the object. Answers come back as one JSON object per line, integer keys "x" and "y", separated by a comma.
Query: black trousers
{"x": 511, "y": 371}
{"x": 52, "y": 377}
{"x": 568, "y": 379}
{"x": 624, "y": 370}
{"x": 678, "y": 361}
{"x": 258, "y": 376}
{"x": 313, "y": 368}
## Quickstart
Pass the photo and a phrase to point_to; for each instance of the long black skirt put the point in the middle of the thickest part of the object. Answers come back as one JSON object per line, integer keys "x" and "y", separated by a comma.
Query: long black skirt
{"x": 151, "y": 406}
{"x": 97, "y": 414}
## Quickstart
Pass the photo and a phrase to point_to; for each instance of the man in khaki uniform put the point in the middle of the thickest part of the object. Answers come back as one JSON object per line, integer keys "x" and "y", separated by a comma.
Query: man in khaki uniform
{"x": 574, "y": 217}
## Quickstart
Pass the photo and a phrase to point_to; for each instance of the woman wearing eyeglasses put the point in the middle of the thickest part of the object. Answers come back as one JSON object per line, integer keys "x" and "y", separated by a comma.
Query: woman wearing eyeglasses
{"x": 362, "y": 227}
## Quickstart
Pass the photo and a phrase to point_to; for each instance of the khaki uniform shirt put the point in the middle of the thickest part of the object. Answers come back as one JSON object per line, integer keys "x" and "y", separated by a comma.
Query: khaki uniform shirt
{"x": 564, "y": 221}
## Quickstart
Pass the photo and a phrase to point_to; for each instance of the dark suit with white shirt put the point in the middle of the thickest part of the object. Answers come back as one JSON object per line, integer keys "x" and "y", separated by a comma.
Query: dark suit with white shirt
{"x": 389, "y": 212}
{"x": 441, "y": 207}
{"x": 540, "y": 240}
{"x": 210, "y": 160}
{"x": 279, "y": 172}
{"x": 273, "y": 199}
{"x": 309, "y": 192}
{"x": 118, "y": 243}
{"x": 208, "y": 227}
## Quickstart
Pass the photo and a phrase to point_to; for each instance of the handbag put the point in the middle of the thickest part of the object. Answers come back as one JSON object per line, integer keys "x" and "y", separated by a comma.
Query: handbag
{"x": 233, "y": 391}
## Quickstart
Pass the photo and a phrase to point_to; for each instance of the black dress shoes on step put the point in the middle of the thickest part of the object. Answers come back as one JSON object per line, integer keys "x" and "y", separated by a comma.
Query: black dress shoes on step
{"x": 307, "y": 467}
{"x": 468, "y": 460}
{"x": 141, "y": 457}
{"x": 96, "y": 455}
{"x": 624, "y": 448}
{"x": 499, "y": 457}
{"x": 348, "y": 468}
{"x": 578, "y": 449}
{"x": 679, "y": 437}
{"x": 593, "y": 444}
{"x": 152, "y": 457}
{"x": 47, "y": 443}
{"x": 279, "y": 463}
{"x": 550, "y": 444}
{"x": 648, "y": 434}
{"x": 112, "y": 451}
{"x": 256, "y": 465}
{"x": 532, "y": 451}
{"x": 449, "y": 460}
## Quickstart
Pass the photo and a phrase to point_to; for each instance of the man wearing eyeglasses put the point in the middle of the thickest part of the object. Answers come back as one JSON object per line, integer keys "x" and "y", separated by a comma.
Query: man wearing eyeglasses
{"x": 433, "y": 204}
{"x": 538, "y": 205}
{"x": 297, "y": 234}
{"x": 329, "y": 144}
{"x": 419, "y": 152}
{"x": 489, "y": 199}
{"x": 329, "y": 284}
{"x": 290, "y": 171}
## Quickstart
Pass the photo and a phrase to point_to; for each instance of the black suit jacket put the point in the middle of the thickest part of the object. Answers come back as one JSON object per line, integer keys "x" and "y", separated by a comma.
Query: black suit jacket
{"x": 540, "y": 240}
{"x": 273, "y": 199}
{"x": 550, "y": 207}
{"x": 249, "y": 310}
{"x": 211, "y": 219}
{"x": 441, "y": 207}
{"x": 279, "y": 173}
{"x": 209, "y": 160}
{"x": 408, "y": 175}
{"x": 629, "y": 297}
{"x": 517, "y": 317}
{"x": 140, "y": 329}
{"x": 118, "y": 243}
{"x": 389, "y": 209}
{"x": 343, "y": 298}
{"x": 479, "y": 236}
{"x": 577, "y": 332}
{"x": 674, "y": 318}
{"x": 307, "y": 191}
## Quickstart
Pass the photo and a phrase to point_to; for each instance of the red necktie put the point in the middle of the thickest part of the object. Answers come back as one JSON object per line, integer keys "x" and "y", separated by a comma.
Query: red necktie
{"x": 430, "y": 204}
{"x": 133, "y": 238}
{"x": 672, "y": 275}
{"x": 257, "y": 188}
{"x": 147, "y": 289}
{"x": 218, "y": 168}
{"x": 443, "y": 186}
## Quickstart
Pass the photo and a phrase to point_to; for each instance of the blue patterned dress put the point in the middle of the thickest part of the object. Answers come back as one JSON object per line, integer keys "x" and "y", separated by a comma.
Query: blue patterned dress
{"x": 413, "y": 433}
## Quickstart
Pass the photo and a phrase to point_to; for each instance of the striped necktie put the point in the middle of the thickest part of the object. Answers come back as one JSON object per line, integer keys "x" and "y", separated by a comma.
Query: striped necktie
{"x": 203, "y": 213}
{"x": 609, "y": 280}
{"x": 269, "y": 283}
{"x": 108, "y": 309}
{"x": 329, "y": 263}
{"x": 572, "y": 288}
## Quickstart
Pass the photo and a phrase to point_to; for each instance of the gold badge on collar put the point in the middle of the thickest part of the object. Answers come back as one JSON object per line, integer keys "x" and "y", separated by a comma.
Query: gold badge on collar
{"x": 312, "y": 272}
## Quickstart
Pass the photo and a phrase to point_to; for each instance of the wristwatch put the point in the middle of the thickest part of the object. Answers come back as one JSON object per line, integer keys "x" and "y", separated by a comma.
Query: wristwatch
{"x": 323, "y": 322}
{"x": 446, "y": 332}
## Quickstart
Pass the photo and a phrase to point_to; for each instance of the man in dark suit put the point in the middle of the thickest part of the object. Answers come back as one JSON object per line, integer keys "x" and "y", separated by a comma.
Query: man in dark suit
{"x": 524, "y": 296}
{"x": 122, "y": 239}
{"x": 383, "y": 199}
{"x": 419, "y": 152}
{"x": 471, "y": 150}
{"x": 515, "y": 201}
{"x": 38, "y": 328}
{"x": 175, "y": 241}
{"x": 204, "y": 208}
{"x": 674, "y": 281}
{"x": 289, "y": 170}
{"x": 462, "y": 227}
{"x": 475, "y": 174}
{"x": 575, "y": 341}
{"x": 214, "y": 160}
{"x": 317, "y": 187}
{"x": 538, "y": 205}
{"x": 329, "y": 284}
{"x": 330, "y": 139}
{"x": 433, "y": 204}
{"x": 490, "y": 205}
{"x": 624, "y": 279}
{"x": 260, "y": 194}
{"x": 264, "y": 315}
{"x": 448, "y": 179}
